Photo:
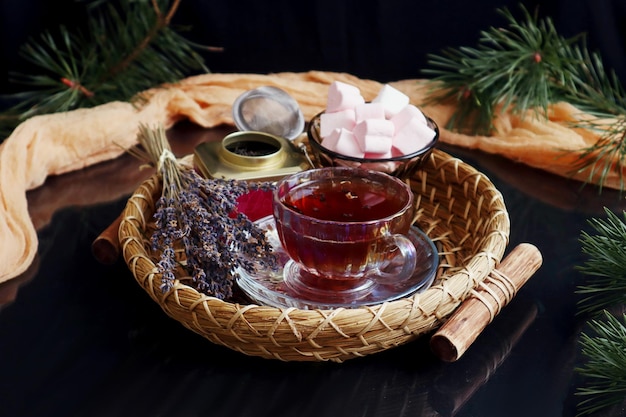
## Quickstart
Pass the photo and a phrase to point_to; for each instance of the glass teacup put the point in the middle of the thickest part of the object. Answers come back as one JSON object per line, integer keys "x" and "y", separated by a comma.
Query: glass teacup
{"x": 344, "y": 229}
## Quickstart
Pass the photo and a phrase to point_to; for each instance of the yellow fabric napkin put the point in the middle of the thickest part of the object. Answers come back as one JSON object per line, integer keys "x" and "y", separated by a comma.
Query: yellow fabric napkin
{"x": 58, "y": 143}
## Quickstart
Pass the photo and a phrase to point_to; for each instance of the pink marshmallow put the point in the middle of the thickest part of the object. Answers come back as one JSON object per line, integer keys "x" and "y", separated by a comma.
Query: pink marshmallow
{"x": 342, "y": 96}
{"x": 374, "y": 135}
{"x": 344, "y": 119}
{"x": 392, "y": 99}
{"x": 369, "y": 111}
{"x": 373, "y": 199}
{"x": 387, "y": 166}
{"x": 412, "y": 137}
{"x": 385, "y": 155}
{"x": 405, "y": 115}
{"x": 343, "y": 142}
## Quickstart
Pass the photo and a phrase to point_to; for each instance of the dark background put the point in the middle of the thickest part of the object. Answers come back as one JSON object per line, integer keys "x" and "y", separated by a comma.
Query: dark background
{"x": 382, "y": 40}
{"x": 82, "y": 339}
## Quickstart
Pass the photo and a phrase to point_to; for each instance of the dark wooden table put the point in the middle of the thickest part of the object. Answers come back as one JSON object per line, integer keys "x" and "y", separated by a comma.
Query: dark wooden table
{"x": 79, "y": 338}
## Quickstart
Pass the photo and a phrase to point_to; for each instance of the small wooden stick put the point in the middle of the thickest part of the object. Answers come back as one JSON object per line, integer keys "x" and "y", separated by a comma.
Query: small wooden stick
{"x": 106, "y": 247}
{"x": 479, "y": 309}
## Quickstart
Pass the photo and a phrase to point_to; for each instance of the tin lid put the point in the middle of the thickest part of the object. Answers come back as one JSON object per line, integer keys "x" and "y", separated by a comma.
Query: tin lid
{"x": 268, "y": 109}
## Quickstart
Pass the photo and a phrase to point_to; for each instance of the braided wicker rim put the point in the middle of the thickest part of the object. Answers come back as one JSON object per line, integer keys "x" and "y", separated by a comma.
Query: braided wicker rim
{"x": 457, "y": 206}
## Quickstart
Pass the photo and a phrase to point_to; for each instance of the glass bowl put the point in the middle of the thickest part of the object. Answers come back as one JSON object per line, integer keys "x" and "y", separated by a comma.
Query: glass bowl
{"x": 402, "y": 166}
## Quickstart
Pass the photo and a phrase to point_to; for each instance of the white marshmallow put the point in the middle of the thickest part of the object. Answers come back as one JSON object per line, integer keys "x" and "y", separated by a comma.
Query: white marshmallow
{"x": 374, "y": 135}
{"x": 344, "y": 119}
{"x": 405, "y": 115}
{"x": 369, "y": 111}
{"x": 343, "y": 96}
{"x": 412, "y": 137}
{"x": 343, "y": 142}
{"x": 392, "y": 99}
{"x": 387, "y": 127}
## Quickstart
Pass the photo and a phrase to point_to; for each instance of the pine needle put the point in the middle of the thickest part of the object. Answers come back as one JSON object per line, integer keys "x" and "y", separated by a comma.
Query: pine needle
{"x": 605, "y": 368}
{"x": 606, "y": 264}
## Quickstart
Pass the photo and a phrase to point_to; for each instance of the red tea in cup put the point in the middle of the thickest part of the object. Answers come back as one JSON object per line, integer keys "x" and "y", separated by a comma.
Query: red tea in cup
{"x": 350, "y": 200}
{"x": 340, "y": 226}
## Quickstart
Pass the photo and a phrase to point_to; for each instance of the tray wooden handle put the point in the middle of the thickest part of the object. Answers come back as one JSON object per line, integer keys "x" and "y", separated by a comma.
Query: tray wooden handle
{"x": 462, "y": 328}
{"x": 106, "y": 247}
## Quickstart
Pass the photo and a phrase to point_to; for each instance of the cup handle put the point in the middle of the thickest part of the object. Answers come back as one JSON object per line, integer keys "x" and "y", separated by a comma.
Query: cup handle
{"x": 407, "y": 259}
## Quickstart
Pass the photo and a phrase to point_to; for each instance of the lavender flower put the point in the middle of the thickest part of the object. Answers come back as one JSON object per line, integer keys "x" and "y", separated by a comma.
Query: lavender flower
{"x": 200, "y": 215}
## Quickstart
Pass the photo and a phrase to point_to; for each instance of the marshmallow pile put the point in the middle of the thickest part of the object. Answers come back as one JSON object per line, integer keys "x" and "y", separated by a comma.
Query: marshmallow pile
{"x": 388, "y": 126}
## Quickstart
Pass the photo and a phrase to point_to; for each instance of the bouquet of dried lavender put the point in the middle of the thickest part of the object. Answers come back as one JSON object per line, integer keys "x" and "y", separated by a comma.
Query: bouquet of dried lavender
{"x": 201, "y": 214}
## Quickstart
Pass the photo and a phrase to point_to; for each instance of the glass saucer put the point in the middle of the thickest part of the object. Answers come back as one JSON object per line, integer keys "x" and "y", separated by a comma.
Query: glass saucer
{"x": 271, "y": 288}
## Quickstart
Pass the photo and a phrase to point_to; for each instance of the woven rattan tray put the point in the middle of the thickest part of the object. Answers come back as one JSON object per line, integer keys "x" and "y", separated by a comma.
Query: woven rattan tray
{"x": 457, "y": 206}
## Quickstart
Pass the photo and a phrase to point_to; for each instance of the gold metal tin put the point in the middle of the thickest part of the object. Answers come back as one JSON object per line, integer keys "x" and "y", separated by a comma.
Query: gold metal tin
{"x": 249, "y": 155}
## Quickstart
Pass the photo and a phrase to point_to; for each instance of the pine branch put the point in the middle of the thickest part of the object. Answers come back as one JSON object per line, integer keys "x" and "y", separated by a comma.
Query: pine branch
{"x": 607, "y": 154}
{"x": 605, "y": 352}
{"x": 605, "y": 368}
{"x": 161, "y": 22}
{"x": 516, "y": 68}
{"x": 606, "y": 264}
{"x": 596, "y": 89}
{"x": 129, "y": 47}
{"x": 527, "y": 66}
{"x": 599, "y": 92}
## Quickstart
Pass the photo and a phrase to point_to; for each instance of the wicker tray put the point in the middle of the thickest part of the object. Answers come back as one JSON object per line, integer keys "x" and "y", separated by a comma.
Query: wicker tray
{"x": 457, "y": 206}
